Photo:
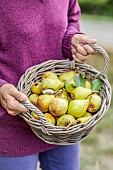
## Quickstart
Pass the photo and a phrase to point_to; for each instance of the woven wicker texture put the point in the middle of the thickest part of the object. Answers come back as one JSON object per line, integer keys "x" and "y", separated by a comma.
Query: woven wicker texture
{"x": 56, "y": 134}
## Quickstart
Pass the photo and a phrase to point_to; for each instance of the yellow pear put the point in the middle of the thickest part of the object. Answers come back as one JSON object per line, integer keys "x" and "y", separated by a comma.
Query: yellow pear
{"x": 54, "y": 84}
{"x": 67, "y": 76}
{"x": 44, "y": 101}
{"x": 35, "y": 115}
{"x": 50, "y": 118}
{"x": 66, "y": 120}
{"x": 94, "y": 102}
{"x": 36, "y": 88}
{"x": 49, "y": 74}
{"x": 33, "y": 99}
{"x": 58, "y": 106}
{"x": 61, "y": 94}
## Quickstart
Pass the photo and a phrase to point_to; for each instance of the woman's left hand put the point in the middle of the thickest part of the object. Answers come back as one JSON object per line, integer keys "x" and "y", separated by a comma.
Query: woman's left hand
{"x": 80, "y": 48}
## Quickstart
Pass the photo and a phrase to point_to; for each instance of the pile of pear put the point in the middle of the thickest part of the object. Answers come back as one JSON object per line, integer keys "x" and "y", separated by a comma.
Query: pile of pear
{"x": 61, "y": 101}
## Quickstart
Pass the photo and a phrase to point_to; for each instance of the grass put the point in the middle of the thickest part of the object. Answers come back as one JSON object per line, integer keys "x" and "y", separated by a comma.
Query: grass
{"x": 97, "y": 148}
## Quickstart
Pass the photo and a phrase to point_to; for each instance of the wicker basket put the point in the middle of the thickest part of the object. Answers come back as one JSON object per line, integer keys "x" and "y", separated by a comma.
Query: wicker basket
{"x": 55, "y": 134}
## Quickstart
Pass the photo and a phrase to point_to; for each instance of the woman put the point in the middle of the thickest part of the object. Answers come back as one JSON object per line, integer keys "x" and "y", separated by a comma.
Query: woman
{"x": 32, "y": 32}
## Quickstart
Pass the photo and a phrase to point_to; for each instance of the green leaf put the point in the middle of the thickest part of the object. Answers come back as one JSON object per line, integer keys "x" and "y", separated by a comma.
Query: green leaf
{"x": 96, "y": 85}
{"x": 79, "y": 81}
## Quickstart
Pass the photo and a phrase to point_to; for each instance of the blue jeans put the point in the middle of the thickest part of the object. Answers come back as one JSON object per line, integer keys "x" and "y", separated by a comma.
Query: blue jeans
{"x": 60, "y": 158}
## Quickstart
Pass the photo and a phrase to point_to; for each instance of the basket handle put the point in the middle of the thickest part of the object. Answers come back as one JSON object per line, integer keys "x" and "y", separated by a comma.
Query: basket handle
{"x": 33, "y": 108}
{"x": 105, "y": 55}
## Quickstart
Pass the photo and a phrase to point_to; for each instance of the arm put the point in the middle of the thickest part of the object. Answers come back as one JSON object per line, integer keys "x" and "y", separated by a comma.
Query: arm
{"x": 73, "y": 27}
{"x": 75, "y": 42}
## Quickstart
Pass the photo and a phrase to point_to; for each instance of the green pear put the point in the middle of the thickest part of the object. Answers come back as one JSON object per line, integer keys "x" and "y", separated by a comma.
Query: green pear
{"x": 83, "y": 119}
{"x": 54, "y": 84}
{"x": 66, "y": 120}
{"x": 87, "y": 84}
{"x": 80, "y": 93}
{"x": 61, "y": 94}
{"x": 69, "y": 86}
{"x": 67, "y": 76}
{"x": 50, "y": 118}
{"x": 77, "y": 108}
{"x": 36, "y": 88}
{"x": 43, "y": 102}
{"x": 87, "y": 114}
{"x": 49, "y": 74}
{"x": 58, "y": 106}
{"x": 94, "y": 102}
{"x": 33, "y": 99}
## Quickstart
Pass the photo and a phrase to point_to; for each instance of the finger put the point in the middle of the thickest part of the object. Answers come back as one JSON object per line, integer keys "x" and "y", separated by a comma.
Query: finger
{"x": 16, "y": 94}
{"x": 80, "y": 49}
{"x": 77, "y": 59}
{"x": 82, "y": 39}
{"x": 3, "y": 102}
{"x": 89, "y": 50}
{"x": 14, "y": 105}
{"x": 73, "y": 50}
{"x": 81, "y": 57}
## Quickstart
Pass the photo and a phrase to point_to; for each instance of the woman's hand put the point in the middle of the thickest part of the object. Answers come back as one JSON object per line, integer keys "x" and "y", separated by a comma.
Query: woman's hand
{"x": 80, "y": 49}
{"x": 10, "y": 99}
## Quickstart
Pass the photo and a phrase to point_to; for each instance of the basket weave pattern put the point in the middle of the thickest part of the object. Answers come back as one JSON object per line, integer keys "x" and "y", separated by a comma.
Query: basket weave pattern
{"x": 55, "y": 134}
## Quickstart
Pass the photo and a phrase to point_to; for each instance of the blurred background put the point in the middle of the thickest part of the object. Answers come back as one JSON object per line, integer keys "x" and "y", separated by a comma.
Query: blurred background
{"x": 97, "y": 22}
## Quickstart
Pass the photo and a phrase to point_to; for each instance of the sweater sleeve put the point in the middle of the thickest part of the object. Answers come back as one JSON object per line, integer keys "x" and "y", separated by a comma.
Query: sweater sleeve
{"x": 73, "y": 27}
{"x": 2, "y": 82}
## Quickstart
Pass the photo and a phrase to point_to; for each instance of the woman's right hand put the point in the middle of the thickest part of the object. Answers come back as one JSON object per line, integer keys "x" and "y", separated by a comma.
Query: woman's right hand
{"x": 10, "y": 99}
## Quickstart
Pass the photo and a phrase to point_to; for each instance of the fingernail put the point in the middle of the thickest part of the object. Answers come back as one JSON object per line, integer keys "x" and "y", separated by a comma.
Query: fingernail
{"x": 23, "y": 97}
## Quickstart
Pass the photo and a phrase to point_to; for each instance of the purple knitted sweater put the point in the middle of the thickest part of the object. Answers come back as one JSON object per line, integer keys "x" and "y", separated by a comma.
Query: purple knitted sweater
{"x": 31, "y": 32}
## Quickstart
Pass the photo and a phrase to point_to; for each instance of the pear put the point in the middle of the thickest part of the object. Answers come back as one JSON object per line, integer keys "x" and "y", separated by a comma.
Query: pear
{"x": 87, "y": 114}
{"x": 44, "y": 101}
{"x": 80, "y": 93}
{"x": 49, "y": 74}
{"x": 77, "y": 108}
{"x": 35, "y": 115}
{"x": 67, "y": 76}
{"x": 69, "y": 86}
{"x": 66, "y": 120}
{"x": 36, "y": 88}
{"x": 83, "y": 119}
{"x": 33, "y": 99}
{"x": 58, "y": 106}
{"x": 54, "y": 84}
{"x": 62, "y": 94}
{"x": 50, "y": 118}
{"x": 87, "y": 84}
{"x": 94, "y": 102}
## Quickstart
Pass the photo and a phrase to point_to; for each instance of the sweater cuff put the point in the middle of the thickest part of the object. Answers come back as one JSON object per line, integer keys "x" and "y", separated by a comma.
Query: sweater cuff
{"x": 2, "y": 82}
{"x": 66, "y": 45}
